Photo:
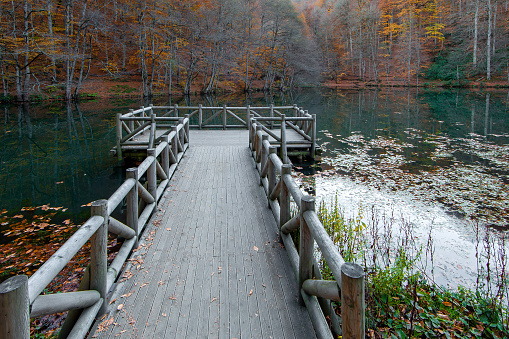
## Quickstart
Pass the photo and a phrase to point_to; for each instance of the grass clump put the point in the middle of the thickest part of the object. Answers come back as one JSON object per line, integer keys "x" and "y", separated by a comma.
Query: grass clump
{"x": 401, "y": 302}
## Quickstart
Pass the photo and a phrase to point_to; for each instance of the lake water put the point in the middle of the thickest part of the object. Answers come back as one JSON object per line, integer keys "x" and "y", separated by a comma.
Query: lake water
{"x": 435, "y": 159}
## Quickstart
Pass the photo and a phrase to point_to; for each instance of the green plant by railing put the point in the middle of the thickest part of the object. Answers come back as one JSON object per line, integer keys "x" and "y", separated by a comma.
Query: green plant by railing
{"x": 400, "y": 301}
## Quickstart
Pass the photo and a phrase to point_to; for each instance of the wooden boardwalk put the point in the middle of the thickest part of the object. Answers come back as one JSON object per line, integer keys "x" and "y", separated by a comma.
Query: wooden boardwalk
{"x": 210, "y": 264}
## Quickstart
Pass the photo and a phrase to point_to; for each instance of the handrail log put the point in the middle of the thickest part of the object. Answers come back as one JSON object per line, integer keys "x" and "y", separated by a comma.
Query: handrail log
{"x": 293, "y": 189}
{"x": 121, "y": 192}
{"x": 144, "y": 166}
{"x": 324, "y": 242}
{"x": 49, "y": 270}
{"x": 220, "y": 107}
{"x": 61, "y": 302}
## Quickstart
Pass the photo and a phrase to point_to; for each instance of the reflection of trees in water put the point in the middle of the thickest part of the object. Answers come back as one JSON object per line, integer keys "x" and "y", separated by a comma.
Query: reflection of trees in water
{"x": 52, "y": 160}
{"x": 391, "y": 112}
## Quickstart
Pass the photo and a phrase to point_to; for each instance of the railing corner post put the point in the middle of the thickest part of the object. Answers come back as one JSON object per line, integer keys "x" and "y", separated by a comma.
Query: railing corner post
{"x": 352, "y": 300}
{"x": 99, "y": 252}
{"x": 306, "y": 244}
{"x": 14, "y": 308}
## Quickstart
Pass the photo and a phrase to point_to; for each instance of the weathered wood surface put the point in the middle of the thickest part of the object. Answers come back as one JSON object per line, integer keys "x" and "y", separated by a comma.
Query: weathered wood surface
{"x": 210, "y": 264}
{"x": 292, "y": 137}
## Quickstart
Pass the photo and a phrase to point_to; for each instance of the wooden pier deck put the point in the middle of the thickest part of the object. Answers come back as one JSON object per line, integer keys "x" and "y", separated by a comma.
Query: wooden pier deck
{"x": 209, "y": 264}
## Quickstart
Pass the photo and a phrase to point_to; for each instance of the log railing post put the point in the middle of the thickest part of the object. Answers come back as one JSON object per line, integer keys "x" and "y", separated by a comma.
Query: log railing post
{"x": 131, "y": 122}
{"x": 252, "y": 135}
{"x": 271, "y": 173}
{"x": 119, "y": 137}
{"x": 14, "y": 308}
{"x": 264, "y": 154}
{"x": 176, "y": 110}
{"x": 186, "y": 128}
{"x": 132, "y": 203}
{"x": 284, "y": 197}
{"x": 165, "y": 156}
{"x": 313, "y": 137}
{"x": 200, "y": 116}
{"x": 175, "y": 143}
{"x": 152, "y": 175}
{"x": 224, "y": 116}
{"x": 306, "y": 245}
{"x": 153, "y": 130}
{"x": 283, "y": 152}
{"x": 248, "y": 118}
{"x": 181, "y": 133}
{"x": 258, "y": 141}
{"x": 352, "y": 301}
{"x": 99, "y": 252}
{"x": 272, "y": 116}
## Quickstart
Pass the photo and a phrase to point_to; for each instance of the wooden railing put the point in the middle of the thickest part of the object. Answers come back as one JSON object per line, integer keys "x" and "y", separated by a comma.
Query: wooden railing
{"x": 148, "y": 119}
{"x": 21, "y": 298}
{"x": 315, "y": 293}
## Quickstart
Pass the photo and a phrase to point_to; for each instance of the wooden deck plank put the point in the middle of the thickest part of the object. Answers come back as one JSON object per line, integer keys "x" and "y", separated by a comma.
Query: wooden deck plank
{"x": 200, "y": 274}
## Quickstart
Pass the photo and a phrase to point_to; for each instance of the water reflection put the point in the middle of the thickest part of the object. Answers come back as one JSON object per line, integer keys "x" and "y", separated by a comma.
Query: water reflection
{"x": 57, "y": 155}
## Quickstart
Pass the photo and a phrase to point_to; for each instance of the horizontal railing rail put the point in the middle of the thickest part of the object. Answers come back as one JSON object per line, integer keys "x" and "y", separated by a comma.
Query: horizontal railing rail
{"x": 316, "y": 293}
{"x": 156, "y": 121}
{"x": 22, "y": 297}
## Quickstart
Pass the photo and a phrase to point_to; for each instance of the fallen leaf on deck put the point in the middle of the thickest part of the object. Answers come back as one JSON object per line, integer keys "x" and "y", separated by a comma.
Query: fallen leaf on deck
{"x": 250, "y": 292}
{"x": 255, "y": 248}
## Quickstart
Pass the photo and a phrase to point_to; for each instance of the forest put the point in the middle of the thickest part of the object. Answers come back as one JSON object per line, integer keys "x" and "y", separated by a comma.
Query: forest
{"x": 51, "y": 48}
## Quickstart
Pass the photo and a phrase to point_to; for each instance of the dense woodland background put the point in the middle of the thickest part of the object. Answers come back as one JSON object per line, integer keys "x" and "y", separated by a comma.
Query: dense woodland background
{"x": 54, "y": 47}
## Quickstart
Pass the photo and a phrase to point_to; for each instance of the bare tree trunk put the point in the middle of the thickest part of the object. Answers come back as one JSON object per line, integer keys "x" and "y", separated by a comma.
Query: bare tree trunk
{"x": 476, "y": 32}
{"x": 488, "y": 44}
